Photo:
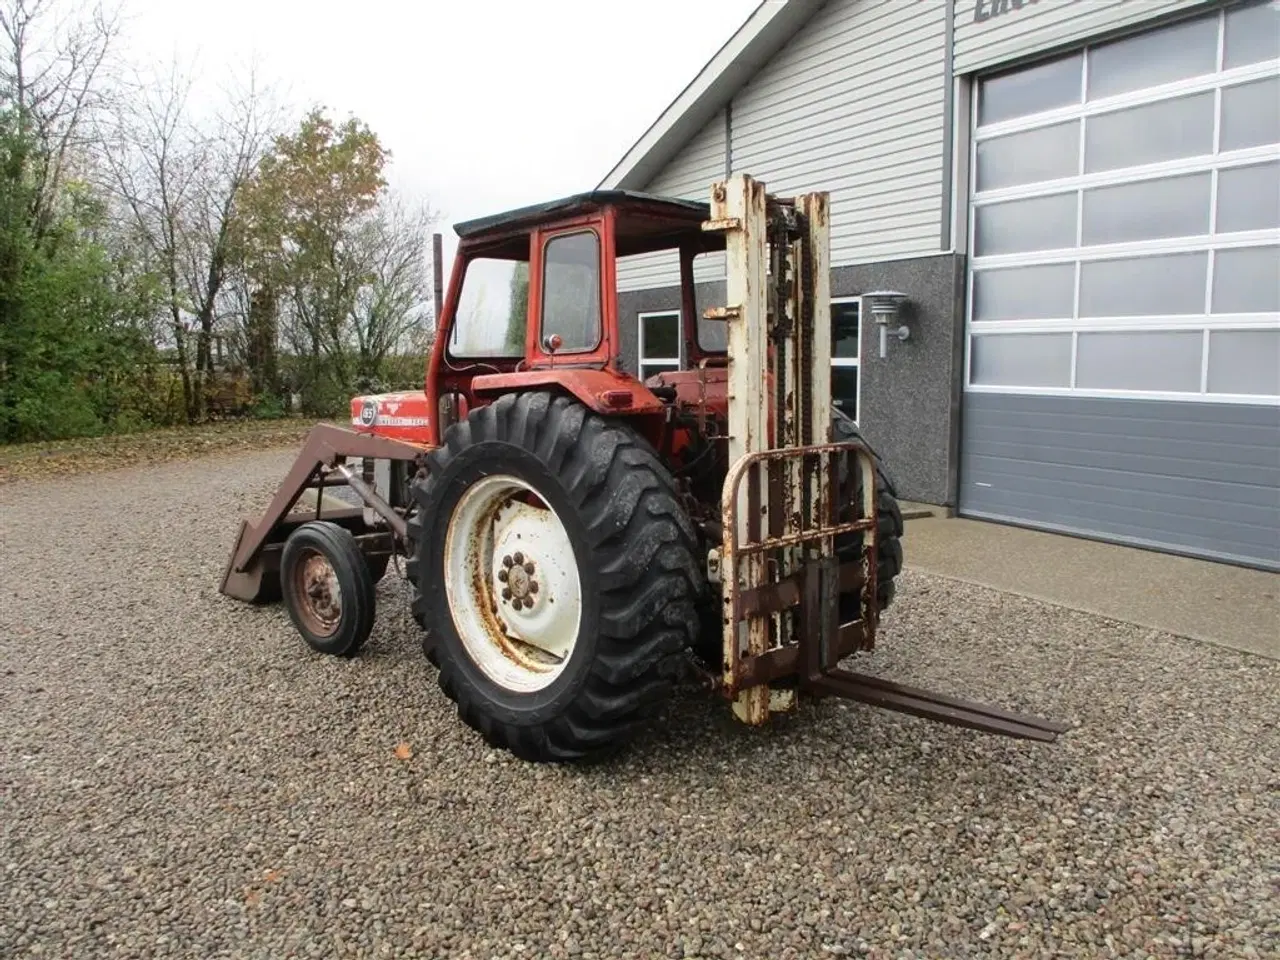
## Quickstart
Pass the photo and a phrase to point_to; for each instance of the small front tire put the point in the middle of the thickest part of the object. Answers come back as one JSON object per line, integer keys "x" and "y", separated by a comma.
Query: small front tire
{"x": 328, "y": 588}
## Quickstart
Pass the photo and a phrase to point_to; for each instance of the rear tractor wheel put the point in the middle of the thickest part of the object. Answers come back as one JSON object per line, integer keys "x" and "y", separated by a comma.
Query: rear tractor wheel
{"x": 554, "y": 573}
{"x": 889, "y": 527}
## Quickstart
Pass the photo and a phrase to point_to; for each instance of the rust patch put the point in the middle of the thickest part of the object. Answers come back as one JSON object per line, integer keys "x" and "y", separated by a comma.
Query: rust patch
{"x": 489, "y": 604}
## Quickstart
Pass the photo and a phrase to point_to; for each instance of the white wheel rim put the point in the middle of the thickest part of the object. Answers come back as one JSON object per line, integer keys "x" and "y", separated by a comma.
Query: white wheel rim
{"x": 512, "y": 583}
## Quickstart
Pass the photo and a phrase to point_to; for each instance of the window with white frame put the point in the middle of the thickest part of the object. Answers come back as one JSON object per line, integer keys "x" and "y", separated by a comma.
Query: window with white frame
{"x": 659, "y": 343}
{"x": 660, "y": 349}
{"x": 1125, "y": 235}
{"x": 845, "y": 336}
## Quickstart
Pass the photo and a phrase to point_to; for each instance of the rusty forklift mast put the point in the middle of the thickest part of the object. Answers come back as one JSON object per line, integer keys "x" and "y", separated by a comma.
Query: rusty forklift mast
{"x": 778, "y": 570}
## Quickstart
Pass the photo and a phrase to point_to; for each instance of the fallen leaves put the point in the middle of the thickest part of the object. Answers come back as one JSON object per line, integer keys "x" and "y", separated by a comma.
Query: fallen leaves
{"x": 253, "y": 895}
{"x": 64, "y": 458}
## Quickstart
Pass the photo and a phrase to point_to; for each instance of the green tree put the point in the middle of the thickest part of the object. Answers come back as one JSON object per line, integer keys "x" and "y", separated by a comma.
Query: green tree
{"x": 302, "y": 213}
{"x": 342, "y": 262}
{"x": 74, "y": 337}
{"x": 74, "y": 316}
{"x": 518, "y": 321}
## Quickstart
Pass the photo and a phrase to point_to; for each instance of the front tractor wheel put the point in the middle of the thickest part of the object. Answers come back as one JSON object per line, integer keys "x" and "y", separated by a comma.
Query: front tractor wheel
{"x": 554, "y": 574}
{"x": 328, "y": 588}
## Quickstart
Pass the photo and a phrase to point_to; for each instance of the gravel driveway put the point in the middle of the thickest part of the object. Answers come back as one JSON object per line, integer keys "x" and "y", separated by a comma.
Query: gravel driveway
{"x": 180, "y": 777}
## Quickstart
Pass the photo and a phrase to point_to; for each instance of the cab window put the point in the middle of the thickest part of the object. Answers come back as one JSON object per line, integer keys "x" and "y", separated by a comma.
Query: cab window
{"x": 571, "y": 291}
{"x": 493, "y": 309}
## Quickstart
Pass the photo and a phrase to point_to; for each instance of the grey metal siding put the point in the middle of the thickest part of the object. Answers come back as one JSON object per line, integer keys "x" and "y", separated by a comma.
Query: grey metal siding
{"x": 1196, "y": 478}
{"x": 853, "y": 104}
{"x": 689, "y": 176}
{"x": 1013, "y": 29}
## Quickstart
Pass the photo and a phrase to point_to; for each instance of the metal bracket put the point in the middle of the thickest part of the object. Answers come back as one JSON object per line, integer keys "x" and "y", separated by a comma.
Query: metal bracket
{"x": 722, "y": 313}
{"x": 713, "y": 565}
{"x": 374, "y": 501}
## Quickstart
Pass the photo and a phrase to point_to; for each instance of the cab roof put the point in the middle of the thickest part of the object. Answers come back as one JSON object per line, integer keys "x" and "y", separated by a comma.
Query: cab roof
{"x": 643, "y": 218}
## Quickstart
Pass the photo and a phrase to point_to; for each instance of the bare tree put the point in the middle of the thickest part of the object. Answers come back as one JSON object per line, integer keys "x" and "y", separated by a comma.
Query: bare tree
{"x": 373, "y": 299}
{"x": 392, "y": 310}
{"x": 239, "y": 137}
{"x": 53, "y": 72}
{"x": 178, "y": 184}
{"x": 154, "y": 167}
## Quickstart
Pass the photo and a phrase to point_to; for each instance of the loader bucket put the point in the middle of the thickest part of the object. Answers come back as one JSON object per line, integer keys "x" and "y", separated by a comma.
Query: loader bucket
{"x": 252, "y": 573}
{"x": 255, "y": 583}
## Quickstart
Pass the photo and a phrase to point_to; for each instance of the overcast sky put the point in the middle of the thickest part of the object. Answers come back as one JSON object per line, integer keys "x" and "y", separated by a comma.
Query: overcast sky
{"x": 484, "y": 104}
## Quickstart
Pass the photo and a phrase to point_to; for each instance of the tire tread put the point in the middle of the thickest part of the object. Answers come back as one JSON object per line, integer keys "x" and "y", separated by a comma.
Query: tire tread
{"x": 638, "y": 536}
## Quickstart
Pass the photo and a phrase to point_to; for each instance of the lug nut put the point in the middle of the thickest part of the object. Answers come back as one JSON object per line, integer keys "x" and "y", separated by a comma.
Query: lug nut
{"x": 528, "y": 567}
{"x": 517, "y": 604}
{"x": 507, "y": 561}
{"x": 519, "y": 557}
{"x": 533, "y": 586}
{"x": 506, "y": 593}
{"x": 502, "y": 575}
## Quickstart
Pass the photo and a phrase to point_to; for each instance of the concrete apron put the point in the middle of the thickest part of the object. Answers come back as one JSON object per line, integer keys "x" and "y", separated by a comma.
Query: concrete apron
{"x": 1213, "y": 602}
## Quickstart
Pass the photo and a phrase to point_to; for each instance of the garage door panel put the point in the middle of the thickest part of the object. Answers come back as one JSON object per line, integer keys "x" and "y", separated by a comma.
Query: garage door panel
{"x": 1191, "y": 544}
{"x": 1249, "y": 542}
{"x": 1218, "y": 450}
{"x": 1249, "y": 503}
{"x": 1258, "y": 463}
{"x": 1230, "y": 427}
{"x": 1222, "y": 497}
{"x": 1131, "y": 467}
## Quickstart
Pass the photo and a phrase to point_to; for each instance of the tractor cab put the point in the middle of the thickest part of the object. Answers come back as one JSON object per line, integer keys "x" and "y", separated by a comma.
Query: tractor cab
{"x": 532, "y": 302}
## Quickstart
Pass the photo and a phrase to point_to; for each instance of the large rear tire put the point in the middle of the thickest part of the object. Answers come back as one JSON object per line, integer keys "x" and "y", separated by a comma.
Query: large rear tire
{"x": 889, "y": 528}
{"x": 554, "y": 573}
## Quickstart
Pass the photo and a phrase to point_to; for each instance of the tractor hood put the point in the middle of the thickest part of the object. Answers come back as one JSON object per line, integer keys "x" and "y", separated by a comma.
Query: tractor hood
{"x": 399, "y": 416}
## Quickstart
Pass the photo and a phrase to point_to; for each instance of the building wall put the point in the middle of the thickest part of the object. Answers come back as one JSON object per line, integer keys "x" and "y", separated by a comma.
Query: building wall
{"x": 908, "y": 400}
{"x": 689, "y": 176}
{"x": 854, "y": 104}
{"x": 990, "y": 32}
{"x": 858, "y": 103}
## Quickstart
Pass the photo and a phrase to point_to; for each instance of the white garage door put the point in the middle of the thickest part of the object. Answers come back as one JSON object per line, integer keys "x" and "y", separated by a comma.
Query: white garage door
{"x": 1123, "y": 370}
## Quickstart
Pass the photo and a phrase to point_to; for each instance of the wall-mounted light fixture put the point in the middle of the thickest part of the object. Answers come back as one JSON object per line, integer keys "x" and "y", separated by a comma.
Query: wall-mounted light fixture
{"x": 886, "y": 308}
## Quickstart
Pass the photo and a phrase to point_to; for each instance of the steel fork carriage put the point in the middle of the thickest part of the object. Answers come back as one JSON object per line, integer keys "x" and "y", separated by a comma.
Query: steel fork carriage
{"x": 782, "y": 579}
{"x": 779, "y": 593}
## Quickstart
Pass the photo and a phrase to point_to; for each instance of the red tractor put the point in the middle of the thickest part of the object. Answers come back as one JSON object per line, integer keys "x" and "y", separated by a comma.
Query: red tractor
{"x": 579, "y": 541}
